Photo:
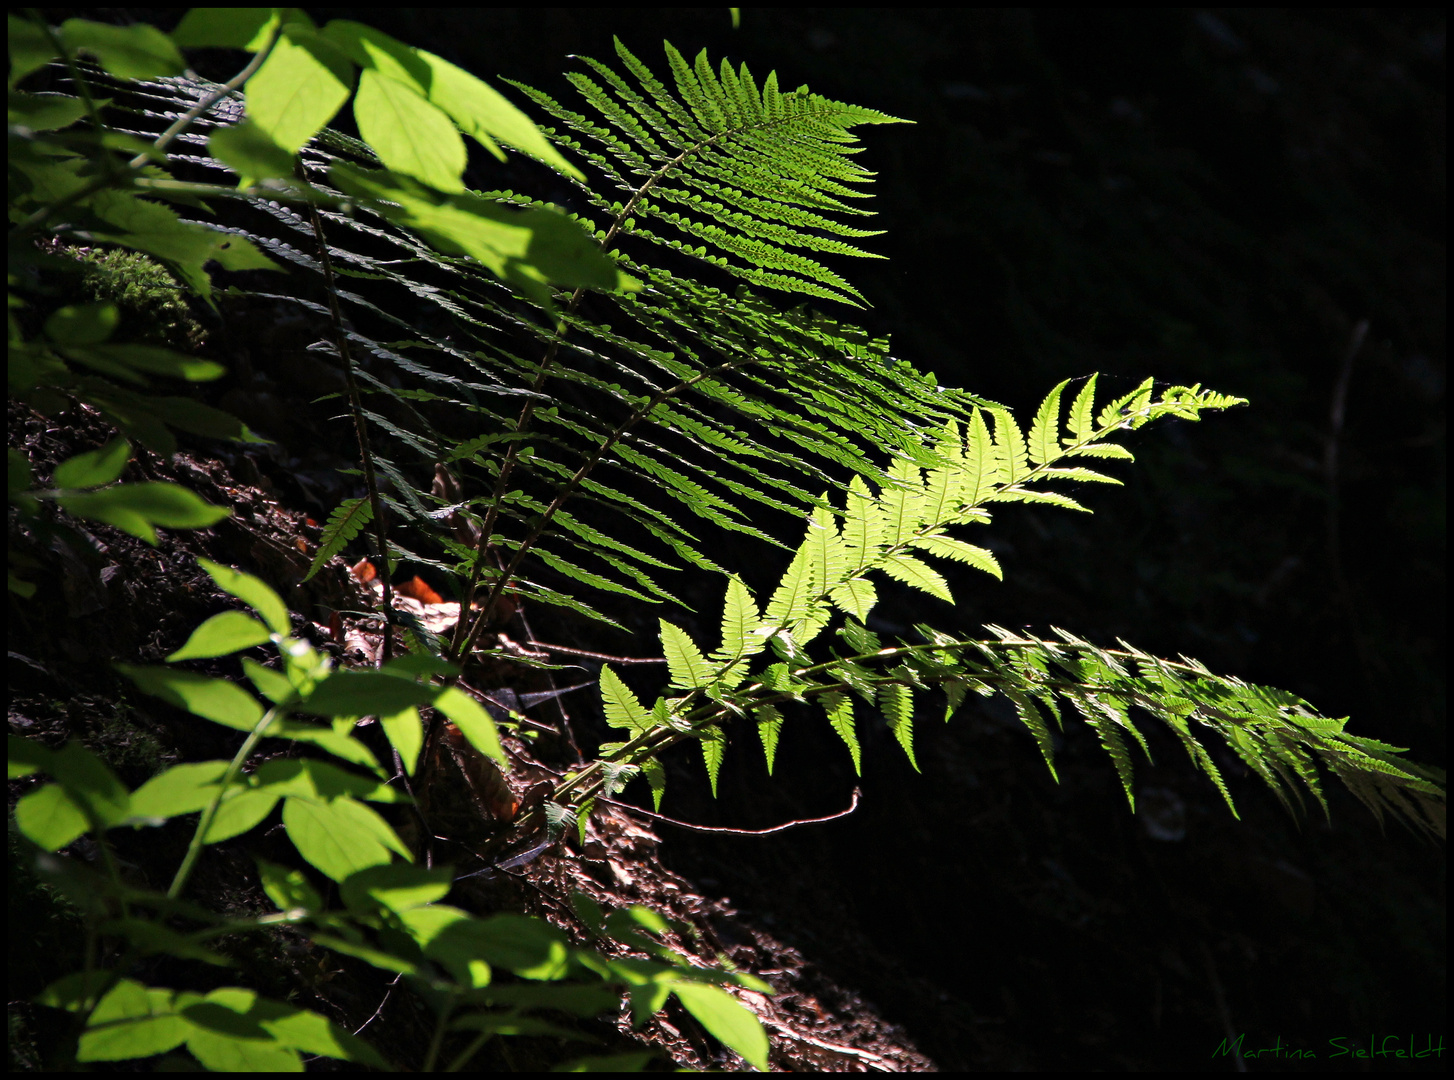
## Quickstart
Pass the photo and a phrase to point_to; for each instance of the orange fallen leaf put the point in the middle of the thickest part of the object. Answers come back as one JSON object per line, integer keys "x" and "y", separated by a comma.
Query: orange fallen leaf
{"x": 364, "y": 571}
{"x": 418, "y": 589}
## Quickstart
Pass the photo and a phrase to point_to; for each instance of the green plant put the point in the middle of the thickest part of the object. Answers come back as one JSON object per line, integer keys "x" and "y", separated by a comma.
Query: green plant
{"x": 730, "y": 406}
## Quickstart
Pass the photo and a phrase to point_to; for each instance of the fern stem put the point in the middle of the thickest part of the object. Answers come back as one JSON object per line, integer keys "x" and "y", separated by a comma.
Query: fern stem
{"x": 360, "y": 427}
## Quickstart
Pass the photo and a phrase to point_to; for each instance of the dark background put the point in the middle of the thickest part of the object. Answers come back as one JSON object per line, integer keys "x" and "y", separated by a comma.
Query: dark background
{"x": 1217, "y": 198}
{"x": 1204, "y": 197}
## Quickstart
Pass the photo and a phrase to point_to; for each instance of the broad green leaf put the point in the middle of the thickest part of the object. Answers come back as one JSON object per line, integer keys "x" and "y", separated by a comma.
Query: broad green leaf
{"x": 137, "y": 508}
{"x": 217, "y": 700}
{"x": 405, "y": 732}
{"x": 897, "y": 703}
{"x": 126, "y": 360}
{"x": 365, "y": 693}
{"x": 131, "y": 1021}
{"x": 139, "y": 51}
{"x": 30, "y": 49}
{"x": 226, "y": 28}
{"x": 484, "y": 114}
{"x": 50, "y": 818}
{"x": 726, "y": 1018}
{"x": 623, "y": 709}
{"x": 396, "y": 886}
{"x": 222, "y": 635}
{"x": 287, "y": 888}
{"x": 300, "y": 88}
{"x": 181, "y": 789}
{"x": 241, "y": 810}
{"x": 90, "y": 782}
{"x": 95, "y": 467}
{"x": 340, "y": 838}
{"x": 74, "y": 992}
{"x": 287, "y": 1024}
{"x": 839, "y": 708}
{"x": 219, "y": 1051}
{"x": 251, "y": 153}
{"x": 150, "y": 937}
{"x": 25, "y": 756}
{"x": 472, "y": 719}
{"x": 83, "y": 324}
{"x": 250, "y": 590}
{"x": 689, "y": 668}
{"x": 45, "y": 112}
{"x": 321, "y": 780}
{"x": 529, "y": 947}
{"x": 273, "y": 685}
{"x": 920, "y": 575}
{"x": 410, "y": 135}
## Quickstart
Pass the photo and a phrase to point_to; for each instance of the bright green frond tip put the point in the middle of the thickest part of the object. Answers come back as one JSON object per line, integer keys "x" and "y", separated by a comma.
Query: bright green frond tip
{"x": 740, "y": 173}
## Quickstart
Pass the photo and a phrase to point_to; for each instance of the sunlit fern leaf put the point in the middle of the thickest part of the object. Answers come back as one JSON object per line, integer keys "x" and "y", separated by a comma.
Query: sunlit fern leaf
{"x": 748, "y": 177}
{"x": 769, "y": 727}
{"x": 839, "y": 708}
{"x": 339, "y": 530}
{"x": 897, "y": 703}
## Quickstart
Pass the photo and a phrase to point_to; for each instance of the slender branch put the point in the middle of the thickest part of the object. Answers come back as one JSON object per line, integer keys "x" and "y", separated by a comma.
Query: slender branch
{"x": 599, "y": 656}
{"x": 361, "y": 431}
{"x": 852, "y": 806}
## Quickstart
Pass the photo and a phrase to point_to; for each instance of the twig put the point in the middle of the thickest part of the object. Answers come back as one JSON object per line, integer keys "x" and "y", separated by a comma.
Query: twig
{"x": 604, "y": 657}
{"x": 852, "y": 806}
{"x": 380, "y": 1009}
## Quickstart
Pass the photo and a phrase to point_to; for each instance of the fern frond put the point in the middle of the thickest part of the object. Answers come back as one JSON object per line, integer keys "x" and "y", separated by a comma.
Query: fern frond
{"x": 342, "y": 526}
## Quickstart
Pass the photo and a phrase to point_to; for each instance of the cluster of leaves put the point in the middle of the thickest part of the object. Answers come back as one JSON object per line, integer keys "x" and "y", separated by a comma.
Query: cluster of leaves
{"x": 76, "y": 177}
{"x": 392, "y": 916}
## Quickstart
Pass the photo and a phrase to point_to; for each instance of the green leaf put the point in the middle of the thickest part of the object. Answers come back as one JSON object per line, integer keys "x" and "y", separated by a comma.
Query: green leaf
{"x": 83, "y": 324}
{"x": 273, "y": 685}
{"x": 251, "y": 153}
{"x": 726, "y": 1018}
{"x": 714, "y": 744}
{"x": 622, "y": 708}
{"x": 897, "y": 703}
{"x": 405, "y": 732}
{"x": 226, "y": 28}
{"x": 1082, "y": 414}
{"x": 1010, "y": 450}
{"x": 339, "y": 838}
{"x": 342, "y": 526}
{"x": 839, "y": 708}
{"x": 181, "y": 789}
{"x": 222, "y": 635}
{"x": 397, "y": 887}
{"x": 856, "y": 596}
{"x": 94, "y": 468}
{"x": 791, "y": 599}
{"x": 131, "y": 1021}
{"x": 289, "y": 889}
{"x": 139, "y": 51}
{"x": 50, "y": 818}
{"x": 484, "y": 114}
{"x": 472, "y": 719}
{"x": 46, "y": 112}
{"x": 689, "y": 668}
{"x": 365, "y": 693}
{"x": 920, "y": 575}
{"x": 739, "y": 619}
{"x": 410, "y": 135}
{"x": 137, "y": 508}
{"x": 25, "y": 756}
{"x": 30, "y": 49}
{"x": 769, "y": 728}
{"x": 1045, "y": 433}
{"x": 217, "y": 700}
{"x": 241, "y": 810}
{"x": 300, "y": 88}
{"x": 949, "y": 548}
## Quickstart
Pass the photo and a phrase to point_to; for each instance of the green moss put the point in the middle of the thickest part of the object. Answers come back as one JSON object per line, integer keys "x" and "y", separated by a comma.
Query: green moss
{"x": 153, "y": 305}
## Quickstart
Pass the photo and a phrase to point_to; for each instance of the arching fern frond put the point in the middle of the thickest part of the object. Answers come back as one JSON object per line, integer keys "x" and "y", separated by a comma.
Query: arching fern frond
{"x": 748, "y": 177}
